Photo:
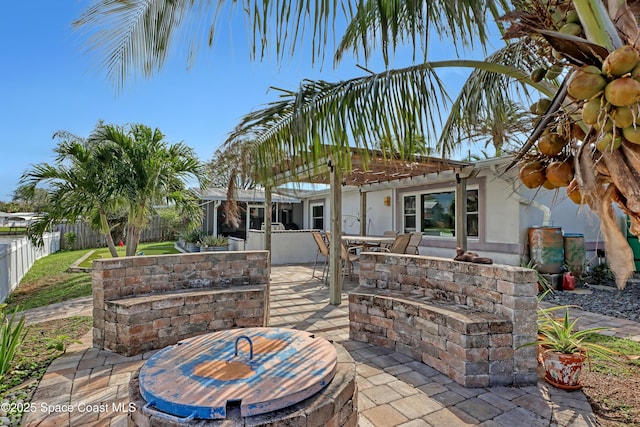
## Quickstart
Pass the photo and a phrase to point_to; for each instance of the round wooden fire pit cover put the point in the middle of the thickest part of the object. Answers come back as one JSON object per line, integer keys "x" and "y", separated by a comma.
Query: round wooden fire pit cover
{"x": 258, "y": 369}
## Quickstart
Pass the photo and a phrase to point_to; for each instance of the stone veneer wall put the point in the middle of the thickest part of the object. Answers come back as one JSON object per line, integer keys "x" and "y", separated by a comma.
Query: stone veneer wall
{"x": 506, "y": 291}
{"x": 146, "y": 302}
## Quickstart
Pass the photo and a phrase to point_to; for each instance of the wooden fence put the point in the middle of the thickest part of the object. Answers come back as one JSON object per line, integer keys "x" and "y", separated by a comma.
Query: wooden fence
{"x": 86, "y": 238}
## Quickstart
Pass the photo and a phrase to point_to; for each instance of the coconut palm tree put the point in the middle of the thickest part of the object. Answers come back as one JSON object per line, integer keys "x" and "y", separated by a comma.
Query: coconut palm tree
{"x": 399, "y": 104}
{"x": 503, "y": 132}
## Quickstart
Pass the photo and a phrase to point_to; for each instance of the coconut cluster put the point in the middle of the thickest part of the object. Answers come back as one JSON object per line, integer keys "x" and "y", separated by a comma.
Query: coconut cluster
{"x": 551, "y": 165}
{"x": 609, "y": 97}
{"x": 607, "y": 100}
{"x": 566, "y": 21}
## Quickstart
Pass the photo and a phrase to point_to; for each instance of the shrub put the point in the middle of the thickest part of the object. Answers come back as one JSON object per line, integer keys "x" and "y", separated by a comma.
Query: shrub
{"x": 601, "y": 274}
{"x": 70, "y": 237}
{"x": 12, "y": 334}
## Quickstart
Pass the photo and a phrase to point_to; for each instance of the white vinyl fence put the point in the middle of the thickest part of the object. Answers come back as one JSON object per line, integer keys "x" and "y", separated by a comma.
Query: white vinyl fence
{"x": 18, "y": 255}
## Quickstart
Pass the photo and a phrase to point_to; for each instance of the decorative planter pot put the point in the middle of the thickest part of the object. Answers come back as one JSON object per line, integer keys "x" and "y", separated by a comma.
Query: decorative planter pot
{"x": 192, "y": 247}
{"x": 219, "y": 248}
{"x": 563, "y": 370}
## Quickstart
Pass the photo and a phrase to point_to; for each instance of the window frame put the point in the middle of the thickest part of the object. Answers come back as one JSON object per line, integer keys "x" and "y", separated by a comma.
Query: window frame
{"x": 418, "y": 196}
{"x": 312, "y": 217}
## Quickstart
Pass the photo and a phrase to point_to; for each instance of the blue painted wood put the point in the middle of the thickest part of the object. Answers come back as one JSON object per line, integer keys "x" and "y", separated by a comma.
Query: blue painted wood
{"x": 201, "y": 374}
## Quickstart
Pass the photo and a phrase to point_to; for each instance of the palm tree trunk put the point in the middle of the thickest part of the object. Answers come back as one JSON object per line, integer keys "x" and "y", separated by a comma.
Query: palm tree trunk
{"x": 106, "y": 232}
{"x": 130, "y": 239}
{"x": 134, "y": 229}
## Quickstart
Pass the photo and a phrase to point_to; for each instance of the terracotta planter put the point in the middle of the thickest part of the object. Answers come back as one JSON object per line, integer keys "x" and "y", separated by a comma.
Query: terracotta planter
{"x": 563, "y": 370}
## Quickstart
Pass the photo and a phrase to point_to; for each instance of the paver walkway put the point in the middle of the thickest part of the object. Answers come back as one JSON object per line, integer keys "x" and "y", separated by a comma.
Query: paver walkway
{"x": 88, "y": 386}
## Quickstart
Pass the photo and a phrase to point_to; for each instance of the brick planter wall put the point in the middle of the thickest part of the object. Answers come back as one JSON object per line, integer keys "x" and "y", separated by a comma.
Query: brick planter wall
{"x": 148, "y": 302}
{"x": 450, "y": 315}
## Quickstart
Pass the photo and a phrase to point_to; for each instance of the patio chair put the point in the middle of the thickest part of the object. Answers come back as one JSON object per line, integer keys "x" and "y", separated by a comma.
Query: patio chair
{"x": 323, "y": 250}
{"x": 399, "y": 246}
{"x": 348, "y": 258}
{"x": 414, "y": 242}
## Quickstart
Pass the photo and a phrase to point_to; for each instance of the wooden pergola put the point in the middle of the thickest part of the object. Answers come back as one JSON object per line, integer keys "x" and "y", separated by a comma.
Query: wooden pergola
{"x": 371, "y": 167}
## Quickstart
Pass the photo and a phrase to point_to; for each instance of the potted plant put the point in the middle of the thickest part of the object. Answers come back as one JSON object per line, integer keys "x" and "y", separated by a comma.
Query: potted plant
{"x": 192, "y": 240}
{"x": 563, "y": 349}
{"x": 214, "y": 243}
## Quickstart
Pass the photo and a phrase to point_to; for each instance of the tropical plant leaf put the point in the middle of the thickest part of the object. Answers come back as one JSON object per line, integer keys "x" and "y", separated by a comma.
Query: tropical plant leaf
{"x": 390, "y": 24}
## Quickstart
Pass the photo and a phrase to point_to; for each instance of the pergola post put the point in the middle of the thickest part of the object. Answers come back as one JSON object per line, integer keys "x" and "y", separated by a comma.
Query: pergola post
{"x": 363, "y": 213}
{"x": 461, "y": 212}
{"x": 267, "y": 219}
{"x": 335, "y": 226}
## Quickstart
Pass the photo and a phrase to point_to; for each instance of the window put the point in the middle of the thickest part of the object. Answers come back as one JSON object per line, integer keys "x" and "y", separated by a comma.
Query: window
{"x": 437, "y": 213}
{"x": 409, "y": 214}
{"x": 472, "y": 213}
{"x": 317, "y": 216}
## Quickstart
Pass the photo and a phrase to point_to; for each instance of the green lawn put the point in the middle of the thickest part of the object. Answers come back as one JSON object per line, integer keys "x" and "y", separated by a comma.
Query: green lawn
{"x": 48, "y": 281}
{"x": 156, "y": 248}
{"x": 623, "y": 346}
{"x": 13, "y": 229}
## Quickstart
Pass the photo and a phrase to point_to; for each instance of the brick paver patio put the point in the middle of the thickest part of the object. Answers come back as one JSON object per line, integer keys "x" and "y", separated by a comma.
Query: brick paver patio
{"x": 88, "y": 386}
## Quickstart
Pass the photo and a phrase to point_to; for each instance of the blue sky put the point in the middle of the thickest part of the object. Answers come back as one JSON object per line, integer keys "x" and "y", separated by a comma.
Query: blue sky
{"x": 48, "y": 84}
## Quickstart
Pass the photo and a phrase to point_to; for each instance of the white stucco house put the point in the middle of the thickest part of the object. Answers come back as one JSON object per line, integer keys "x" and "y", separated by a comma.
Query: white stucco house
{"x": 499, "y": 213}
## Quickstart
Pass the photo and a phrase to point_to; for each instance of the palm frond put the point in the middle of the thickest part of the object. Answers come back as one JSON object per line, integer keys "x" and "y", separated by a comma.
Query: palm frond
{"x": 487, "y": 93}
{"x": 398, "y": 22}
{"x": 397, "y": 104}
{"x": 137, "y": 35}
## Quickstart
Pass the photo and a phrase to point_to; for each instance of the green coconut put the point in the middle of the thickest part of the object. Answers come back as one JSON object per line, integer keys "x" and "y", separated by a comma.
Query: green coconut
{"x": 635, "y": 73}
{"x": 572, "y": 17}
{"x": 608, "y": 142}
{"x": 605, "y": 125}
{"x": 554, "y": 72}
{"x": 591, "y": 111}
{"x": 622, "y": 92}
{"x": 538, "y": 74}
{"x": 621, "y": 61}
{"x": 571, "y": 29}
{"x": 586, "y": 82}
{"x": 632, "y": 134}
{"x": 623, "y": 117}
{"x": 542, "y": 106}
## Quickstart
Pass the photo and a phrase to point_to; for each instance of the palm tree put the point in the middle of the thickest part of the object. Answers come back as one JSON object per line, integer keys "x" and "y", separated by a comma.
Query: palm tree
{"x": 113, "y": 169}
{"x": 400, "y": 104}
{"x": 503, "y": 132}
{"x": 149, "y": 171}
{"x": 80, "y": 185}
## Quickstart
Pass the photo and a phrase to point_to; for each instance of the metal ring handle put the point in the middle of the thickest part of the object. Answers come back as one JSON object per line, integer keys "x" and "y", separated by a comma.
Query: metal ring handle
{"x": 250, "y": 345}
